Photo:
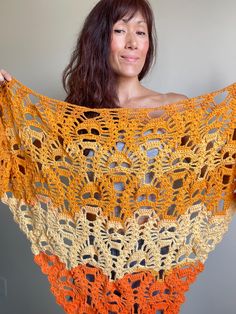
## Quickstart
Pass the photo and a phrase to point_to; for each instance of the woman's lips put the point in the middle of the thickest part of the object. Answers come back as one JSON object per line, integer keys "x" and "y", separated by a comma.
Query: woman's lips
{"x": 129, "y": 59}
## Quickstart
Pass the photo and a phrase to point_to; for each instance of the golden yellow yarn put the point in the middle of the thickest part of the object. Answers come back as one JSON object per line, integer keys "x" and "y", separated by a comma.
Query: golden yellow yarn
{"x": 143, "y": 192}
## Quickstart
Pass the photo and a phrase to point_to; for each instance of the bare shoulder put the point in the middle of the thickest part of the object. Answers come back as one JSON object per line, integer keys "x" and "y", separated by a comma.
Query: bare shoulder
{"x": 152, "y": 98}
{"x": 164, "y": 99}
{"x": 176, "y": 97}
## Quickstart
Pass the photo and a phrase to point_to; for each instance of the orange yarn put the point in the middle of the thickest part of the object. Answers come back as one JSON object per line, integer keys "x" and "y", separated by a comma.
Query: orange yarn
{"x": 122, "y": 206}
{"x": 85, "y": 289}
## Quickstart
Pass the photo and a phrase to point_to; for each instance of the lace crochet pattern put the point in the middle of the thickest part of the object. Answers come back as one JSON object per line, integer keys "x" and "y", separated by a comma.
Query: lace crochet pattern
{"x": 121, "y": 206}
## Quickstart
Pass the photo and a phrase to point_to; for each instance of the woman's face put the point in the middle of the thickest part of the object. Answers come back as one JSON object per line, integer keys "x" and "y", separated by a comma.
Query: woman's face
{"x": 129, "y": 46}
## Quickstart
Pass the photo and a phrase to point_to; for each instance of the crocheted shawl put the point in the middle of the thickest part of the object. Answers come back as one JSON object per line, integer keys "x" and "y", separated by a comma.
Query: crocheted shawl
{"x": 122, "y": 205}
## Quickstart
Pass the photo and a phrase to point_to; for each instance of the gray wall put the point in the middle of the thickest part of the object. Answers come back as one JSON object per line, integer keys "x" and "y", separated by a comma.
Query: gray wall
{"x": 196, "y": 54}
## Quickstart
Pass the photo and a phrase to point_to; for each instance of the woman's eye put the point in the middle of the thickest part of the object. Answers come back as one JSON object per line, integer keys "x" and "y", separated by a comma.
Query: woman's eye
{"x": 118, "y": 30}
{"x": 141, "y": 33}
{"x": 121, "y": 30}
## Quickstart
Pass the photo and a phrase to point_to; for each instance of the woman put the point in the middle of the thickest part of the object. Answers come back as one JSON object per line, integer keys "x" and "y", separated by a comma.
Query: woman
{"x": 114, "y": 52}
{"x": 153, "y": 232}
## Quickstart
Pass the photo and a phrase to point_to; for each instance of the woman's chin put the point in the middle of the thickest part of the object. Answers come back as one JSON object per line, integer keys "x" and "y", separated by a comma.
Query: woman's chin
{"x": 128, "y": 74}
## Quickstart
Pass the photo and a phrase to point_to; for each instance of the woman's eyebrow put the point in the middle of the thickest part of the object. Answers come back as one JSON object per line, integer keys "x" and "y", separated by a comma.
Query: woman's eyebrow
{"x": 138, "y": 22}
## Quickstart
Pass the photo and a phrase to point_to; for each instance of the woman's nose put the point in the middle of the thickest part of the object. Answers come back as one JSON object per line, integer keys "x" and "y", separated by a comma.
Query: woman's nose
{"x": 131, "y": 41}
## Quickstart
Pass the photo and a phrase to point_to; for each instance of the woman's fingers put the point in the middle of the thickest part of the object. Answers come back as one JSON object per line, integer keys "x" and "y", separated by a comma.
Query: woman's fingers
{"x": 4, "y": 75}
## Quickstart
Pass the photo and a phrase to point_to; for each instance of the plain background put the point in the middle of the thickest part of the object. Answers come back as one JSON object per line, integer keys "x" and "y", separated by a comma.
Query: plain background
{"x": 196, "y": 55}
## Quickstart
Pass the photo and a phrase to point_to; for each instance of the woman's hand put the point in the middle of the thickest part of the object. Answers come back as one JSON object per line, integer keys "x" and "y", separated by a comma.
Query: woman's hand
{"x": 4, "y": 76}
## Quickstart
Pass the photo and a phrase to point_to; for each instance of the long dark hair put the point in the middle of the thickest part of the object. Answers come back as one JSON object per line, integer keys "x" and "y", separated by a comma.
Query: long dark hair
{"x": 88, "y": 79}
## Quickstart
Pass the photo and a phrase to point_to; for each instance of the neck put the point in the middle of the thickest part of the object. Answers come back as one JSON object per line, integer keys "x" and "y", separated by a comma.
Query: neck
{"x": 128, "y": 88}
